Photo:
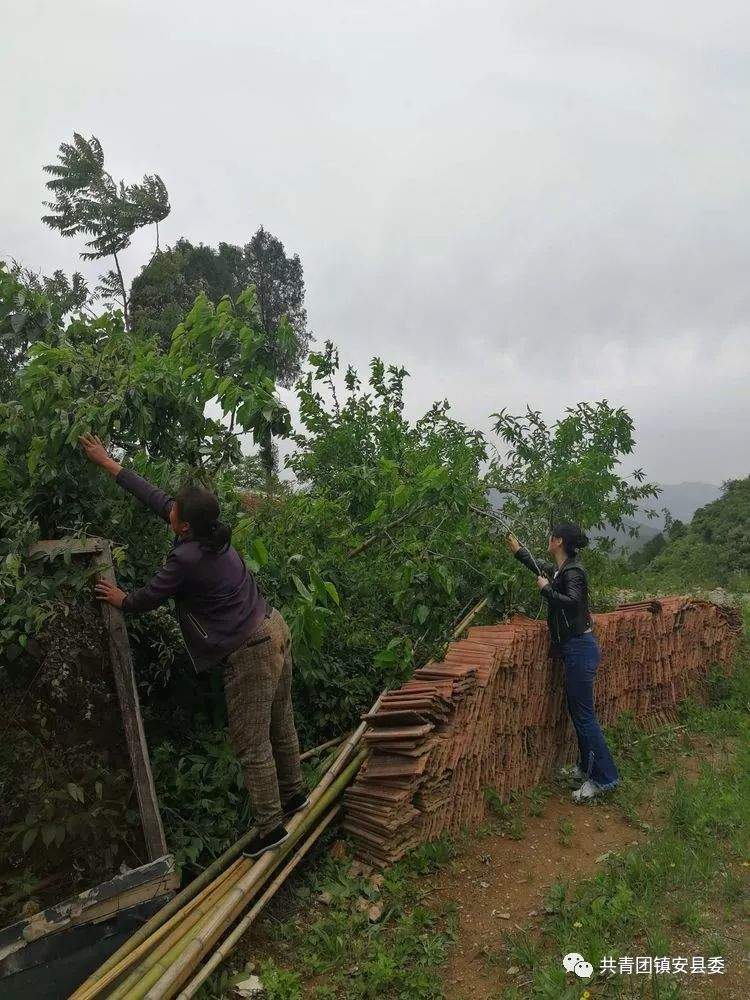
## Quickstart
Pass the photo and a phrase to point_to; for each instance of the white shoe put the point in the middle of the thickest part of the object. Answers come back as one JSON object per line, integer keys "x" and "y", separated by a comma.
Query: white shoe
{"x": 588, "y": 790}
{"x": 573, "y": 775}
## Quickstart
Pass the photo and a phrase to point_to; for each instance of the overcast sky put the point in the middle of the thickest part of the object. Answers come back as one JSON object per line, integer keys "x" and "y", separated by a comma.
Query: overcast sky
{"x": 526, "y": 202}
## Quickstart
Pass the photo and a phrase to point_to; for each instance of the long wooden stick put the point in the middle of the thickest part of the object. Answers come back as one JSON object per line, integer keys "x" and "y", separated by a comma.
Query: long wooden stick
{"x": 172, "y": 930}
{"x": 231, "y": 942}
{"x": 184, "y": 958}
{"x": 469, "y": 618}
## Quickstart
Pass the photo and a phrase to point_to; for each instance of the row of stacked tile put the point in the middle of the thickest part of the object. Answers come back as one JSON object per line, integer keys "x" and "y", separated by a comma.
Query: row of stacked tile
{"x": 492, "y": 714}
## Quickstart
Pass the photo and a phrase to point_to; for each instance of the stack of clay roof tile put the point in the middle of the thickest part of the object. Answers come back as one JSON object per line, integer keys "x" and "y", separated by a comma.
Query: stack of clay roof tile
{"x": 492, "y": 714}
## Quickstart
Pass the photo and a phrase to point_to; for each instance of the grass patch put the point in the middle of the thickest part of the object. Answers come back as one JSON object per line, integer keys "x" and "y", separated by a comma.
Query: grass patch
{"x": 364, "y": 934}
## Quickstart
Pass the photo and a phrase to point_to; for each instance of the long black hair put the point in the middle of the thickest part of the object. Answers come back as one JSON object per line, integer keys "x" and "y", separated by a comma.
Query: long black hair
{"x": 200, "y": 508}
{"x": 573, "y": 538}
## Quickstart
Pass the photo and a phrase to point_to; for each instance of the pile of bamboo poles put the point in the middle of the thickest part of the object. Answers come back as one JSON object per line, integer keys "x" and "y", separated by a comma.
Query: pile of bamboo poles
{"x": 163, "y": 959}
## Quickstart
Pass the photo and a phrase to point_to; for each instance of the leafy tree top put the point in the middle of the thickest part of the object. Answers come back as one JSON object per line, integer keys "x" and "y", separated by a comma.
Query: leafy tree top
{"x": 89, "y": 202}
{"x": 167, "y": 286}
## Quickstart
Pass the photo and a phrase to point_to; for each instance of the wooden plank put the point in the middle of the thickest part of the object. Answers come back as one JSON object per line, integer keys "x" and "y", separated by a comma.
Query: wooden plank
{"x": 53, "y": 547}
{"x": 156, "y": 878}
{"x": 127, "y": 691}
{"x": 130, "y": 709}
{"x": 53, "y": 967}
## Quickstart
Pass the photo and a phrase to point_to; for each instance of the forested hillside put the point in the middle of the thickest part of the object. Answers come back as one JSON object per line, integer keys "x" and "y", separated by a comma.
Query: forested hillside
{"x": 714, "y": 549}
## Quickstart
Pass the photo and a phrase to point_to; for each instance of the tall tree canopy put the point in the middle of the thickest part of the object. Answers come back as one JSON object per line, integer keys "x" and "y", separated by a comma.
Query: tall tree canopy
{"x": 88, "y": 201}
{"x": 168, "y": 285}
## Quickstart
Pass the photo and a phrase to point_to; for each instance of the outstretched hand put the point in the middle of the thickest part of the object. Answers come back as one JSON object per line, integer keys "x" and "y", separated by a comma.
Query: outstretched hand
{"x": 512, "y": 542}
{"x": 109, "y": 592}
{"x": 96, "y": 452}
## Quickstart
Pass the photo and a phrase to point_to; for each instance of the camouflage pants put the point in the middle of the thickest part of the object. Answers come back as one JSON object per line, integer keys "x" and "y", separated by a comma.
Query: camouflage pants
{"x": 258, "y": 689}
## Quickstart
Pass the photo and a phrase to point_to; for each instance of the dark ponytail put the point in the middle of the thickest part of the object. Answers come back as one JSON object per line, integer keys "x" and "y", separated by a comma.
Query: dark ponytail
{"x": 572, "y": 537}
{"x": 200, "y": 509}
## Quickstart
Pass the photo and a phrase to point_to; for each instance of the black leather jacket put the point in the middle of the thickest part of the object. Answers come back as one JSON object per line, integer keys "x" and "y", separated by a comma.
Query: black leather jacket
{"x": 567, "y": 596}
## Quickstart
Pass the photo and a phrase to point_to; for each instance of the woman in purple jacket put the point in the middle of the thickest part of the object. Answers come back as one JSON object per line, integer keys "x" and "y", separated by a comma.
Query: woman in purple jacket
{"x": 226, "y": 624}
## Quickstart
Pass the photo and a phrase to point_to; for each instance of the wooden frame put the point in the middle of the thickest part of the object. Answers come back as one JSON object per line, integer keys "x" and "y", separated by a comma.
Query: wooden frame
{"x": 122, "y": 667}
{"x": 47, "y": 955}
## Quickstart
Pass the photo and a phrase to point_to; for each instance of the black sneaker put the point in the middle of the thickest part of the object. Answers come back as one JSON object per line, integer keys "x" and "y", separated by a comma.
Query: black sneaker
{"x": 297, "y": 802}
{"x": 260, "y": 844}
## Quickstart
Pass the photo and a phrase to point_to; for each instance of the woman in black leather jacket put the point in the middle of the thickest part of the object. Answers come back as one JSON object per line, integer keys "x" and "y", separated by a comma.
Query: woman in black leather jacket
{"x": 564, "y": 587}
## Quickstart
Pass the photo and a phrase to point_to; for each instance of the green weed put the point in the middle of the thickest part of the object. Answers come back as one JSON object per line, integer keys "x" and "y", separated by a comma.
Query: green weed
{"x": 565, "y": 831}
{"x": 537, "y": 800}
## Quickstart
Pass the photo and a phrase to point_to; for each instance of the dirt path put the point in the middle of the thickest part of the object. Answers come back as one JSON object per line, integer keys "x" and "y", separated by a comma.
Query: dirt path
{"x": 500, "y": 885}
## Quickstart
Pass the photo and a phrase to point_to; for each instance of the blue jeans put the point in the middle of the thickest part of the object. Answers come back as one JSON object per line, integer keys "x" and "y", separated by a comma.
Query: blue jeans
{"x": 581, "y": 657}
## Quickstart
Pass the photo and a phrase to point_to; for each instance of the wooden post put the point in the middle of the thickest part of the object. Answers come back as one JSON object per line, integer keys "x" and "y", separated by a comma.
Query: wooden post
{"x": 127, "y": 692}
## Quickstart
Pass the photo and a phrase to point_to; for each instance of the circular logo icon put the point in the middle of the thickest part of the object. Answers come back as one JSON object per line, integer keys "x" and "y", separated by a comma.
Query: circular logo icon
{"x": 571, "y": 960}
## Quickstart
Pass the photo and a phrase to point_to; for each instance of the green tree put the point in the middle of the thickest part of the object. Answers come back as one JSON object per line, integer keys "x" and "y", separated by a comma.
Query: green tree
{"x": 88, "y": 201}
{"x": 167, "y": 286}
{"x": 26, "y": 315}
{"x": 569, "y": 470}
{"x": 170, "y": 282}
{"x": 650, "y": 550}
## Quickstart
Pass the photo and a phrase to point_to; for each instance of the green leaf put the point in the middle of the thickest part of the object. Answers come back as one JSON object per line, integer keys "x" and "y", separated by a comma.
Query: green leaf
{"x": 421, "y": 614}
{"x": 34, "y": 453}
{"x": 301, "y": 587}
{"x": 261, "y": 552}
{"x": 28, "y": 839}
{"x": 75, "y": 792}
{"x": 333, "y": 592}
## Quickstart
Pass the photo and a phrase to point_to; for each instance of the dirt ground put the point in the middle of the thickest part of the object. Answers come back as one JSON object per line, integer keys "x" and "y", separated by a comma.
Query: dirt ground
{"x": 499, "y": 885}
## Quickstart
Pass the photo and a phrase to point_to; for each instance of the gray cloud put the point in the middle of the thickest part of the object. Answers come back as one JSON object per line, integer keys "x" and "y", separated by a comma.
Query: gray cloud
{"x": 521, "y": 202}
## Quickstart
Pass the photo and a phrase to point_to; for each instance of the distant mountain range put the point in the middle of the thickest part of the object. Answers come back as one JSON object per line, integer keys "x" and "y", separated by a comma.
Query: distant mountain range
{"x": 681, "y": 500}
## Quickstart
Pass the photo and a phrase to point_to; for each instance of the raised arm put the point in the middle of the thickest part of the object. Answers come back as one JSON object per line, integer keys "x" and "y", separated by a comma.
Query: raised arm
{"x": 525, "y": 558}
{"x": 149, "y": 495}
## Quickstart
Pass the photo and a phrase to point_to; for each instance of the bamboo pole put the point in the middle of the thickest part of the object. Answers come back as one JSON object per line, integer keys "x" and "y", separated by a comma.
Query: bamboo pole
{"x": 178, "y": 964}
{"x": 200, "y": 882}
{"x": 89, "y": 992}
{"x": 157, "y": 946}
{"x": 469, "y": 618}
{"x": 323, "y": 746}
{"x": 230, "y": 943}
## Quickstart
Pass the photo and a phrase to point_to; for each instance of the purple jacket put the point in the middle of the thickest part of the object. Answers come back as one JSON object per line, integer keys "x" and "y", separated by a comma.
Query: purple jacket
{"x": 218, "y": 602}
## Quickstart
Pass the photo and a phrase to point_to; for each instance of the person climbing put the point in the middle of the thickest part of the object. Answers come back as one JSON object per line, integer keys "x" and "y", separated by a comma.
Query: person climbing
{"x": 227, "y": 625}
{"x": 564, "y": 586}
